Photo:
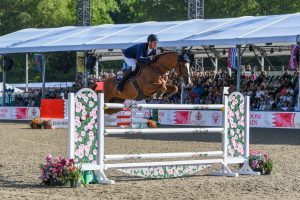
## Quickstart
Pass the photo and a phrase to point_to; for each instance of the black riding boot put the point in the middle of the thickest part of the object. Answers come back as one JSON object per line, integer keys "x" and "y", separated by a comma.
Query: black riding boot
{"x": 126, "y": 75}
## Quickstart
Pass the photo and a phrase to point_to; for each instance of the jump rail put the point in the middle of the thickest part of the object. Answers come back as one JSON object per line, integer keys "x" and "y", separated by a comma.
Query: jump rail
{"x": 87, "y": 131}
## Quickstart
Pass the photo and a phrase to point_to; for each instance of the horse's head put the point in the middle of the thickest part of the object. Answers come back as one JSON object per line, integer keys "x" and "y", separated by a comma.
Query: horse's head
{"x": 183, "y": 68}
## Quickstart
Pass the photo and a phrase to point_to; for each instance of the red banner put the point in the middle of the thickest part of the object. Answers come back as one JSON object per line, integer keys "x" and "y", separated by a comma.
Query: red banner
{"x": 52, "y": 108}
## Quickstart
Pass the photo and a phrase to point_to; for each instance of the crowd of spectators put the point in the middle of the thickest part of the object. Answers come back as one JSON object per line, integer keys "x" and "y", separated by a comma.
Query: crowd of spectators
{"x": 267, "y": 93}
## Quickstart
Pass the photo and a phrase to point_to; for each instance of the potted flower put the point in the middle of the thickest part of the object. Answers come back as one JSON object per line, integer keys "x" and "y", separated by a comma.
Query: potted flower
{"x": 47, "y": 124}
{"x": 53, "y": 171}
{"x": 74, "y": 174}
{"x": 260, "y": 162}
{"x": 61, "y": 172}
{"x": 36, "y": 123}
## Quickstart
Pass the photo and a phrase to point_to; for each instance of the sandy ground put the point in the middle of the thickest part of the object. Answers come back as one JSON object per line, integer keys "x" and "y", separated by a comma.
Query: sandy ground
{"x": 22, "y": 149}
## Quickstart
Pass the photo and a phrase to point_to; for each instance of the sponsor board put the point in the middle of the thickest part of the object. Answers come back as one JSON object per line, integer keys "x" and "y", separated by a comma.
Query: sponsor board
{"x": 59, "y": 123}
{"x": 19, "y": 113}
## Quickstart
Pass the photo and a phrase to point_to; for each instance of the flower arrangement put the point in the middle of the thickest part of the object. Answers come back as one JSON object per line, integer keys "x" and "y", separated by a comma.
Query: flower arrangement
{"x": 47, "y": 124}
{"x": 36, "y": 123}
{"x": 260, "y": 162}
{"x": 60, "y": 171}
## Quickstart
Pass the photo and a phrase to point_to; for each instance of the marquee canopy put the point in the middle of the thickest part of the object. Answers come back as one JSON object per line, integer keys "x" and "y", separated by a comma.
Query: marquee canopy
{"x": 198, "y": 32}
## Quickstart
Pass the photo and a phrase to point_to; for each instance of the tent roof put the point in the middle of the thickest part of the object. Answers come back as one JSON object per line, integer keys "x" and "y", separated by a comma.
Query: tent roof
{"x": 198, "y": 32}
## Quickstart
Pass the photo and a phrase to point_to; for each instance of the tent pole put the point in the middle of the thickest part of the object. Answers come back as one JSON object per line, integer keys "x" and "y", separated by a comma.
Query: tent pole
{"x": 44, "y": 76}
{"x": 26, "y": 72}
{"x": 238, "y": 79}
{"x": 262, "y": 63}
{"x": 3, "y": 83}
{"x": 216, "y": 65}
{"x": 182, "y": 91}
{"x": 97, "y": 69}
{"x": 298, "y": 43}
{"x": 85, "y": 70}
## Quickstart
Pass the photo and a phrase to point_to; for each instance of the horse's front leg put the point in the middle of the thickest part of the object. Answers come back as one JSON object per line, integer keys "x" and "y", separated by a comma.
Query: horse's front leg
{"x": 171, "y": 89}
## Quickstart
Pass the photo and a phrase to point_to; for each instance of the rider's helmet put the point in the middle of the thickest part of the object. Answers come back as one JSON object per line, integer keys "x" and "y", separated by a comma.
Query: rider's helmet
{"x": 152, "y": 37}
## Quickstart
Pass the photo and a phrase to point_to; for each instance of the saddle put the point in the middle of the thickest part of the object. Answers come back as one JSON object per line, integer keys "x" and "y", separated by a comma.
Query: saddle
{"x": 133, "y": 76}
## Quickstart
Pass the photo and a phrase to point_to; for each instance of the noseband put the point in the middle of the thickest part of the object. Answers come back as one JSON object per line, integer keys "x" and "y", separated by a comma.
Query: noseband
{"x": 179, "y": 65}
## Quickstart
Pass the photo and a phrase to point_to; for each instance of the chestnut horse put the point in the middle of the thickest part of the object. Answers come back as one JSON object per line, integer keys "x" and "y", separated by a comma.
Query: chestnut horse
{"x": 150, "y": 81}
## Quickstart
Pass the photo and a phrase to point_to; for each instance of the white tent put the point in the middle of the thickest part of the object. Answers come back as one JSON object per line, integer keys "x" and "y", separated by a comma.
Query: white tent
{"x": 198, "y": 32}
{"x": 274, "y": 29}
{"x": 9, "y": 86}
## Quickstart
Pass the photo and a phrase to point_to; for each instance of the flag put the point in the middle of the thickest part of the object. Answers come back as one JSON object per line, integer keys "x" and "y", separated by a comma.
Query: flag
{"x": 294, "y": 59}
{"x": 231, "y": 61}
{"x": 38, "y": 62}
{"x": 80, "y": 62}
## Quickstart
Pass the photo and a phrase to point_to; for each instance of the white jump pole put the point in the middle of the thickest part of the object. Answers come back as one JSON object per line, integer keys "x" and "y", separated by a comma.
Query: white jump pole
{"x": 101, "y": 177}
{"x": 162, "y": 130}
{"x": 246, "y": 169}
{"x": 163, "y": 155}
{"x": 165, "y": 163}
{"x": 71, "y": 125}
{"x": 165, "y": 106}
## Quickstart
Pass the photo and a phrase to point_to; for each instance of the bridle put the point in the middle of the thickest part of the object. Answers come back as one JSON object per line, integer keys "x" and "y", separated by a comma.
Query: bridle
{"x": 179, "y": 65}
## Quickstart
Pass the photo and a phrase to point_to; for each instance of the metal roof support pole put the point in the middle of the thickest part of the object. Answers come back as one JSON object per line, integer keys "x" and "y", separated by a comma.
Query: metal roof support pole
{"x": 97, "y": 68}
{"x": 3, "y": 83}
{"x": 44, "y": 76}
{"x": 26, "y": 72}
{"x": 262, "y": 63}
{"x": 182, "y": 95}
{"x": 298, "y": 43}
{"x": 238, "y": 73}
{"x": 216, "y": 66}
{"x": 195, "y": 9}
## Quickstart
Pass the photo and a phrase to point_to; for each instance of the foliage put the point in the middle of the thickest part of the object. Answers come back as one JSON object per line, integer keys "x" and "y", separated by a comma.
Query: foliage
{"x": 60, "y": 169}
{"x": 20, "y": 14}
{"x": 36, "y": 123}
{"x": 260, "y": 162}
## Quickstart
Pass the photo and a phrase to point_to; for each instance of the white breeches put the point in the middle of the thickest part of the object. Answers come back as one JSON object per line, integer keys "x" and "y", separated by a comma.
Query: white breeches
{"x": 130, "y": 62}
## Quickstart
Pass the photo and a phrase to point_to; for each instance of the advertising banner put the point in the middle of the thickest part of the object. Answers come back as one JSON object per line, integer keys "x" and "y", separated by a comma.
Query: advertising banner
{"x": 19, "y": 113}
{"x": 53, "y": 108}
{"x": 275, "y": 119}
{"x": 190, "y": 117}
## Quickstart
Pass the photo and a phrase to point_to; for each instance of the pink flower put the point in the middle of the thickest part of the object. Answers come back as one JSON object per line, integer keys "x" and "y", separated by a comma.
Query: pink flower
{"x": 49, "y": 158}
{"x": 82, "y": 133}
{"x": 91, "y": 157}
{"x": 91, "y": 104}
{"x": 94, "y": 152}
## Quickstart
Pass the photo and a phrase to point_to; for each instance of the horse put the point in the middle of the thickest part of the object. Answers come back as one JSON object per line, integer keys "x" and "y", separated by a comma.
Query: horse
{"x": 151, "y": 80}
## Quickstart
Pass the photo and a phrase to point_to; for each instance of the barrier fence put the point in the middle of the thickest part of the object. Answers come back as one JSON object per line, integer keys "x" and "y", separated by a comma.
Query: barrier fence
{"x": 87, "y": 131}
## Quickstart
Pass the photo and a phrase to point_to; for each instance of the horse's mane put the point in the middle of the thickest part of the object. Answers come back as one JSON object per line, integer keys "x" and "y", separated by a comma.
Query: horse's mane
{"x": 166, "y": 53}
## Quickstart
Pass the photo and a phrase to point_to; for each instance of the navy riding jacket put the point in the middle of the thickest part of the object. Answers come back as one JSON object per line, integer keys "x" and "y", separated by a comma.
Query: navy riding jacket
{"x": 139, "y": 52}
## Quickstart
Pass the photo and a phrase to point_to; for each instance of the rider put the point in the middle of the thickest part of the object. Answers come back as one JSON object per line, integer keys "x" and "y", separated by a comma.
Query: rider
{"x": 141, "y": 53}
